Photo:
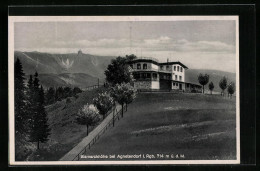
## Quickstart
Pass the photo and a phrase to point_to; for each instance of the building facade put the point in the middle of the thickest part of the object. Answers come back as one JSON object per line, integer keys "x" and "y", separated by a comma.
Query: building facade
{"x": 149, "y": 74}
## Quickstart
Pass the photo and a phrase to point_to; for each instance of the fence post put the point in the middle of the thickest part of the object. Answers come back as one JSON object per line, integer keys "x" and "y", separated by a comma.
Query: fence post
{"x": 114, "y": 117}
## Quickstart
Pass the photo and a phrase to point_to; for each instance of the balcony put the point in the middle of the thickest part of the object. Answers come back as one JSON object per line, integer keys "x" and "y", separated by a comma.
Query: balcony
{"x": 148, "y": 69}
{"x": 146, "y": 79}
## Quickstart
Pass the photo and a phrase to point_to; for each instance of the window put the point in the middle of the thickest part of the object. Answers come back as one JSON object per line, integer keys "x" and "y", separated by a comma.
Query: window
{"x": 174, "y": 68}
{"x": 188, "y": 85}
{"x": 167, "y": 67}
{"x": 144, "y": 66}
{"x": 136, "y": 76}
{"x": 173, "y": 84}
{"x": 176, "y": 77}
{"x": 180, "y": 78}
{"x": 154, "y": 75}
{"x": 161, "y": 67}
{"x": 177, "y": 68}
{"x": 138, "y": 66}
{"x": 181, "y": 69}
{"x": 131, "y": 66}
{"x": 176, "y": 84}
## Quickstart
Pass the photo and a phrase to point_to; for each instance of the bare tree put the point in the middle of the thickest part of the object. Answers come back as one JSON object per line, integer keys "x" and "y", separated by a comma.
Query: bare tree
{"x": 203, "y": 80}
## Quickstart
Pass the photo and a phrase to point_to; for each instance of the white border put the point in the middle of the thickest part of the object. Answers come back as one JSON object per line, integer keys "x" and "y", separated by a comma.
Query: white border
{"x": 13, "y": 19}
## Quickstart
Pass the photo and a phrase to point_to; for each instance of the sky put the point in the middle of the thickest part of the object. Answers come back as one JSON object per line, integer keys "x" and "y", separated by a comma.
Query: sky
{"x": 198, "y": 44}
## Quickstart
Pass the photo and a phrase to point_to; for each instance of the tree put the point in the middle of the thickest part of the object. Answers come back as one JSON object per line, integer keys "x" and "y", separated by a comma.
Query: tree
{"x": 117, "y": 72}
{"x": 88, "y": 115}
{"x": 223, "y": 85}
{"x": 211, "y": 87}
{"x": 50, "y": 96}
{"x": 31, "y": 100}
{"x": 123, "y": 94}
{"x": 39, "y": 127}
{"x": 130, "y": 57}
{"x": 104, "y": 102}
{"x": 231, "y": 89}
{"x": 76, "y": 90}
{"x": 20, "y": 98}
{"x": 203, "y": 80}
{"x": 67, "y": 92}
{"x": 59, "y": 94}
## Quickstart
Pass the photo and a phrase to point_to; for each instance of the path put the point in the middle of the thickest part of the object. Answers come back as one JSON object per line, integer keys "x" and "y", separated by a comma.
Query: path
{"x": 78, "y": 148}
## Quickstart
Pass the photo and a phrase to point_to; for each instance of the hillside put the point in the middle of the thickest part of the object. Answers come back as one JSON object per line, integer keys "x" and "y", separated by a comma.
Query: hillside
{"x": 214, "y": 76}
{"x": 63, "y": 63}
{"x": 80, "y": 80}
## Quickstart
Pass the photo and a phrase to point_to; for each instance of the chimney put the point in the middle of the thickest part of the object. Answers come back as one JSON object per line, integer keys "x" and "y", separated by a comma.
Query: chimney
{"x": 167, "y": 60}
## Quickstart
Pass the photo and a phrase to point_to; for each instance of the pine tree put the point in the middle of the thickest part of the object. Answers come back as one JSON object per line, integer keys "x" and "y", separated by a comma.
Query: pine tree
{"x": 31, "y": 101}
{"x": 39, "y": 127}
{"x": 20, "y": 98}
{"x": 50, "y": 96}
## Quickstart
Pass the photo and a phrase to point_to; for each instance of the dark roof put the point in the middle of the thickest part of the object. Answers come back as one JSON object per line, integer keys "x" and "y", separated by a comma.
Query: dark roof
{"x": 172, "y": 63}
{"x": 157, "y": 63}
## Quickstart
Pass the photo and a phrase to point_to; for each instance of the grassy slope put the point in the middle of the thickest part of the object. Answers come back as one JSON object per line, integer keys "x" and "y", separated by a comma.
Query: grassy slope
{"x": 65, "y": 132}
{"x": 198, "y": 126}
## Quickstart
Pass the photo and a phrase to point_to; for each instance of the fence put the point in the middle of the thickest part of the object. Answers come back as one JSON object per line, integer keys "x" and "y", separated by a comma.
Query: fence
{"x": 116, "y": 116}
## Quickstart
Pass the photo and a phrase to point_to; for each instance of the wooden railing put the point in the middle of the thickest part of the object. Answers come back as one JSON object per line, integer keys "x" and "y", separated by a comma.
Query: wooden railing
{"x": 112, "y": 121}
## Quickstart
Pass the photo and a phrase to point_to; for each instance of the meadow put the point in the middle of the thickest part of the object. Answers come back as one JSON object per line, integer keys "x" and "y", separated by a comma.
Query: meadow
{"x": 196, "y": 126}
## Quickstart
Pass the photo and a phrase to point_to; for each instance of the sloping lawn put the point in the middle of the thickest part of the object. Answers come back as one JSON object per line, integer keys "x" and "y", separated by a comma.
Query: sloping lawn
{"x": 195, "y": 126}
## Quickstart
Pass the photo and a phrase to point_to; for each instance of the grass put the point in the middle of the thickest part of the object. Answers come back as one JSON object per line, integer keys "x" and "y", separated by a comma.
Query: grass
{"x": 195, "y": 125}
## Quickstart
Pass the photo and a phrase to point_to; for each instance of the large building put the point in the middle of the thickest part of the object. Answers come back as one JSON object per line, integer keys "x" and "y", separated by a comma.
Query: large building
{"x": 151, "y": 75}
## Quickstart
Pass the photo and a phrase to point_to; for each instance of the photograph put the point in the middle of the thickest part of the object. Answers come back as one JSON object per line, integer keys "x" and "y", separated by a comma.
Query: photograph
{"x": 131, "y": 90}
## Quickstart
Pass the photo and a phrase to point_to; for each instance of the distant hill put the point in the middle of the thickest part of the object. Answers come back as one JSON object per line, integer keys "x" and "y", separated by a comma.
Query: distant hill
{"x": 214, "y": 76}
{"x": 63, "y": 63}
{"x": 79, "y": 69}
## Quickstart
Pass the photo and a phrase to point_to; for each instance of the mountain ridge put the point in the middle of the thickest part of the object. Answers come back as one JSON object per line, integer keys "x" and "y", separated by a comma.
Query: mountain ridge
{"x": 82, "y": 70}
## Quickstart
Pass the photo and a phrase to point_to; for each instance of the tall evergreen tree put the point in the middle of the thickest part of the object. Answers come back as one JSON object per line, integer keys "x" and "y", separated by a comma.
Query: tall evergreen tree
{"x": 31, "y": 101}
{"x": 39, "y": 127}
{"x": 20, "y": 98}
{"x": 50, "y": 96}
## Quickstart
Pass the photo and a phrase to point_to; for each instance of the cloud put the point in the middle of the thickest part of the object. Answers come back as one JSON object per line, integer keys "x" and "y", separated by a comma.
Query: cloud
{"x": 162, "y": 43}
